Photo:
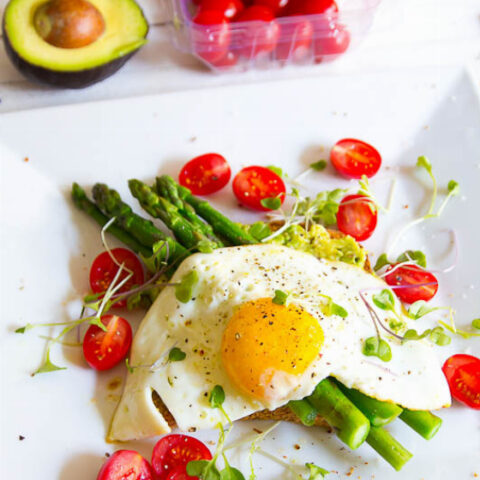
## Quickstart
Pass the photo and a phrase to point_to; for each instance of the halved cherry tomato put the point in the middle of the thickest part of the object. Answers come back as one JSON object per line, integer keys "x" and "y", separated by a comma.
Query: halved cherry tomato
{"x": 252, "y": 184}
{"x": 126, "y": 465}
{"x": 205, "y": 174}
{"x": 211, "y": 36}
{"x": 300, "y": 33}
{"x": 229, "y": 8}
{"x": 463, "y": 376}
{"x": 261, "y": 35}
{"x": 331, "y": 43}
{"x": 104, "y": 349}
{"x": 174, "y": 451}
{"x": 354, "y": 158}
{"x": 412, "y": 275}
{"x": 357, "y": 216}
{"x": 104, "y": 269}
{"x": 180, "y": 473}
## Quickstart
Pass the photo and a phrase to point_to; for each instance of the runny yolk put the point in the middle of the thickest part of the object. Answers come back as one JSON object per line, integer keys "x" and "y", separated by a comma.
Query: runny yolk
{"x": 267, "y": 347}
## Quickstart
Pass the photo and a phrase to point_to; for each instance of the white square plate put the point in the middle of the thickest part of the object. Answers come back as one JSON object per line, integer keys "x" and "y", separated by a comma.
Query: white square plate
{"x": 47, "y": 246}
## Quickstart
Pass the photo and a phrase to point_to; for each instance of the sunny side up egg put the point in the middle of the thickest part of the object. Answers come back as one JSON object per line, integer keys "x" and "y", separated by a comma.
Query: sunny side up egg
{"x": 263, "y": 354}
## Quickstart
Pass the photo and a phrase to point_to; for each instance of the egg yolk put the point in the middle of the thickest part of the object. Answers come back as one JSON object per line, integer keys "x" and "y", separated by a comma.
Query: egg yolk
{"x": 267, "y": 347}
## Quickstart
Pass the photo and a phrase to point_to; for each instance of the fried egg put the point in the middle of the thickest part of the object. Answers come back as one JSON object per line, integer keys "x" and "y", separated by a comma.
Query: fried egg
{"x": 261, "y": 353}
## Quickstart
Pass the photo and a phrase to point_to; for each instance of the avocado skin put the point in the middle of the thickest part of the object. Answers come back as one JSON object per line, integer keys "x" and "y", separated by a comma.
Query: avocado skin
{"x": 74, "y": 80}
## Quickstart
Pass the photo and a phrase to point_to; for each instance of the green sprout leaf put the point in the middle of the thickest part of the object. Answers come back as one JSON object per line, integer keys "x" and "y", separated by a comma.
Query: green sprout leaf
{"x": 130, "y": 368}
{"x": 276, "y": 170}
{"x": 158, "y": 258}
{"x": 176, "y": 355}
{"x": 280, "y": 297}
{"x": 453, "y": 188}
{"x": 205, "y": 246}
{"x": 272, "y": 203}
{"x": 217, "y": 397}
{"x": 382, "y": 260}
{"x": 338, "y": 310}
{"x": 229, "y": 472}
{"x": 412, "y": 334}
{"x": 206, "y": 470}
{"x": 323, "y": 208}
{"x": 318, "y": 166}
{"x": 439, "y": 337}
{"x": 259, "y": 230}
{"x": 377, "y": 347}
{"x": 184, "y": 290}
{"x": 384, "y": 300}
{"x": 329, "y": 308}
{"x": 420, "y": 308}
{"x": 416, "y": 256}
{"x": 476, "y": 323}
{"x": 395, "y": 324}
{"x": 315, "y": 472}
{"x": 48, "y": 365}
{"x": 25, "y": 328}
{"x": 424, "y": 162}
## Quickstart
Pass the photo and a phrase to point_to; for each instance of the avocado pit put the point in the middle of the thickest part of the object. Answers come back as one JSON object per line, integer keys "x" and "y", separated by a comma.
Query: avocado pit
{"x": 69, "y": 23}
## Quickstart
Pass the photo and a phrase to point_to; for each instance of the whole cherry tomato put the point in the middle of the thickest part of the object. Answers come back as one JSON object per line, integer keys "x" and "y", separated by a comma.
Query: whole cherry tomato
{"x": 174, "y": 451}
{"x": 409, "y": 276}
{"x": 126, "y": 464}
{"x": 205, "y": 174}
{"x": 230, "y": 8}
{"x": 295, "y": 40}
{"x": 104, "y": 270}
{"x": 314, "y": 7}
{"x": 261, "y": 34}
{"x": 105, "y": 349}
{"x": 252, "y": 184}
{"x": 354, "y": 158}
{"x": 357, "y": 216}
{"x": 331, "y": 43}
{"x": 463, "y": 376}
{"x": 274, "y": 5}
{"x": 211, "y": 35}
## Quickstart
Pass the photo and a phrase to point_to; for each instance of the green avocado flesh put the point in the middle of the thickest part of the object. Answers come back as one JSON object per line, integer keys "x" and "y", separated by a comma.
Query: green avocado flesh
{"x": 125, "y": 32}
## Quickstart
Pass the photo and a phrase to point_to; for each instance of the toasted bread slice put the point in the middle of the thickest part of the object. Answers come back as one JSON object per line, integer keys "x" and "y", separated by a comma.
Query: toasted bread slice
{"x": 280, "y": 414}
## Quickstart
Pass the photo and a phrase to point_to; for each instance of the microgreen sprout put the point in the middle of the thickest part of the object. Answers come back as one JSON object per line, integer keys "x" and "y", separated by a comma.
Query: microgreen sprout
{"x": 331, "y": 308}
{"x": 378, "y": 347}
{"x": 366, "y": 190}
{"x": 184, "y": 289}
{"x": 280, "y": 298}
{"x": 216, "y": 400}
{"x": 176, "y": 355}
{"x": 272, "y": 203}
{"x": 476, "y": 323}
{"x": 259, "y": 230}
{"x": 319, "y": 166}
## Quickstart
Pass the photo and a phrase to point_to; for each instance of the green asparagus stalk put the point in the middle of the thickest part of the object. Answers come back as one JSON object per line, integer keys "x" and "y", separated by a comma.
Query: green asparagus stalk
{"x": 423, "y": 422}
{"x": 339, "y": 412}
{"x": 221, "y": 225}
{"x": 378, "y": 413}
{"x": 387, "y": 447}
{"x": 81, "y": 201}
{"x": 169, "y": 192}
{"x": 161, "y": 208}
{"x": 304, "y": 410}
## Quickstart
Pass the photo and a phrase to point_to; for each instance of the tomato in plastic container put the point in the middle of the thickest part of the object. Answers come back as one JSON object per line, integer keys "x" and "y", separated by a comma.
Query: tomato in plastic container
{"x": 236, "y": 35}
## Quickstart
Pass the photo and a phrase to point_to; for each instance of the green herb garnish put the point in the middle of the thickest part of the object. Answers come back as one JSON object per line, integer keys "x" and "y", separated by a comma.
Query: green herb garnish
{"x": 315, "y": 472}
{"x": 176, "y": 355}
{"x": 318, "y": 166}
{"x": 280, "y": 297}
{"x": 384, "y": 300}
{"x": 377, "y": 347}
{"x": 416, "y": 256}
{"x": 184, "y": 290}
{"x": 272, "y": 203}
{"x": 476, "y": 323}
{"x": 329, "y": 308}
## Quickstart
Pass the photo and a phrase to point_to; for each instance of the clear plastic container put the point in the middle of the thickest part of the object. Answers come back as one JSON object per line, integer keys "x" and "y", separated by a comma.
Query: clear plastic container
{"x": 300, "y": 39}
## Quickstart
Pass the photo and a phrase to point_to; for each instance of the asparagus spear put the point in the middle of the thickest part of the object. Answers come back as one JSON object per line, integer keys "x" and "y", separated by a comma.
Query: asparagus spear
{"x": 378, "y": 413}
{"x": 423, "y": 422}
{"x": 304, "y": 410}
{"x": 387, "y": 447}
{"x": 169, "y": 192}
{"x": 339, "y": 412}
{"x": 160, "y": 207}
{"x": 221, "y": 225}
{"x": 81, "y": 201}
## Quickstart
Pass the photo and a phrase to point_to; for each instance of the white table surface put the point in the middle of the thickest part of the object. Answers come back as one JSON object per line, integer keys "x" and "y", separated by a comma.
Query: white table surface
{"x": 405, "y": 34}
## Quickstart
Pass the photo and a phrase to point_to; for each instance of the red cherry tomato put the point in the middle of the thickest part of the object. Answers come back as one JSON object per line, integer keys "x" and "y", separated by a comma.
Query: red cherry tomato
{"x": 252, "y": 184}
{"x": 331, "y": 43}
{"x": 229, "y": 8}
{"x": 463, "y": 376}
{"x": 104, "y": 349}
{"x": 314, "y": 7}
{"x": 211, "y": 36}
{"x": 125, "y": 465}
{"x": 354, "y": 158}
{"x": 180, "y": 473}
{"x": 104, "y": 269}
{"x": 174, "y": 451}
{"x": 205, "y": 174}
{"x": 274, "y": 5}
{"x": 261, "y": 35}
{"x": 412, "y": 275}
{"x": 357, "y": 217}
{"x": 300, "y": 33}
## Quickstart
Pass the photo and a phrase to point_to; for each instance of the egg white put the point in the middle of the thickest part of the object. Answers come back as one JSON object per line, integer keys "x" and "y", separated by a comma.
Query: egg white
{"x": 228, "y": 277}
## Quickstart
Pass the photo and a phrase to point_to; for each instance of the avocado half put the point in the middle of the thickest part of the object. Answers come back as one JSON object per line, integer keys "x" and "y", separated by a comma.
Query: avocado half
{"x": 125, "y": 31}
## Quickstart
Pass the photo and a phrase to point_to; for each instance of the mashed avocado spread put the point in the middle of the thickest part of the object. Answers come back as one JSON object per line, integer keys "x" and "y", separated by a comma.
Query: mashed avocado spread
{"x": 318, "y": 242}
